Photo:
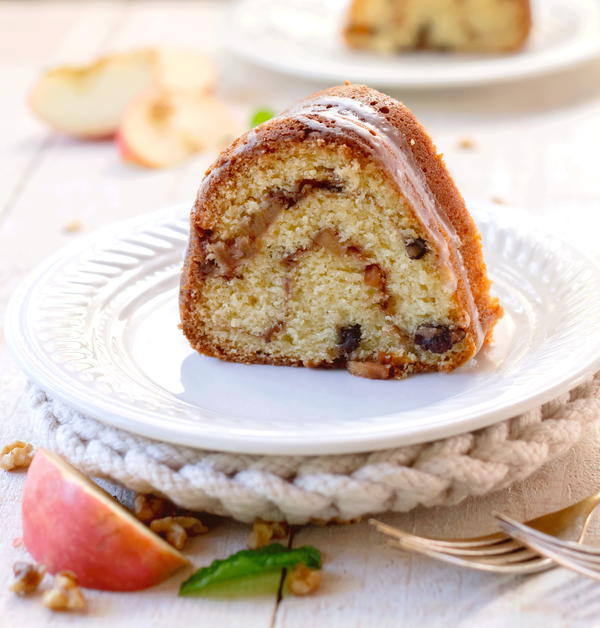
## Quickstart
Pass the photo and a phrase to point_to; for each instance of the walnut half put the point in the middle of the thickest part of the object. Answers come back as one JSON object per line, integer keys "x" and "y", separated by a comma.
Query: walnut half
{"x": 65, "y": 595}
{"x": 17, "y": 455}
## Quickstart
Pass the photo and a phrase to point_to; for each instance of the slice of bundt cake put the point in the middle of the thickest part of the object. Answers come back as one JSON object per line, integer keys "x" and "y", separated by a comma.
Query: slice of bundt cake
{"x": 333, "y": 235}
{"x": 476, "y": 25}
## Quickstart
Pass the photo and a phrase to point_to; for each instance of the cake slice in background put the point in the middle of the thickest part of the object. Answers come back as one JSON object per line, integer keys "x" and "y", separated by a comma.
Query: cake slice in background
{"x": 468, "y": 25}
{"x": 334, "y": 236}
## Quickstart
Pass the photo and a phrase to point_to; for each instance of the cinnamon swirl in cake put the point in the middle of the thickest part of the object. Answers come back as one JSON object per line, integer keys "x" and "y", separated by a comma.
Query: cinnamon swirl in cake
{"x": 333, "y": 236}
{"x": 475, "y": 25}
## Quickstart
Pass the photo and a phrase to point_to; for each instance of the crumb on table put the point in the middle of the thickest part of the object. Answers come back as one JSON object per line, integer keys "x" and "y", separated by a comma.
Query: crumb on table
{"x": 27, "y": 577}
{"x": 466, "y": 143}
{"x": 73, "y": 226}
{"x": 302, "y": 580}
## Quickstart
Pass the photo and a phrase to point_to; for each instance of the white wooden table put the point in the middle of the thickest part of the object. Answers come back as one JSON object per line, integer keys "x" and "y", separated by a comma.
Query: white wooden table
{"x": 536, "y": 147}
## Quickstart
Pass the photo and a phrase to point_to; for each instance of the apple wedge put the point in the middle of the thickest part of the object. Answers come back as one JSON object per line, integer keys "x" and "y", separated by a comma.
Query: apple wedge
{"x": 71, "y": 523}
{"x": 88, "y": 101}
{"x": 164, "y": 127}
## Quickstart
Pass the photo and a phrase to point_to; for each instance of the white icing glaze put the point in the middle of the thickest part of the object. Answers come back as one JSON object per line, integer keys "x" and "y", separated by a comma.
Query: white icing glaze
{"x": 250, "y": 140}
{"x": 391, "y": 147}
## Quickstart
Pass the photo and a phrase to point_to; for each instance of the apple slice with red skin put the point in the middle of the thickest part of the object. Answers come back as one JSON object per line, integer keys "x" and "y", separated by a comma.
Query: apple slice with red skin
{"x": 71, "y": 523}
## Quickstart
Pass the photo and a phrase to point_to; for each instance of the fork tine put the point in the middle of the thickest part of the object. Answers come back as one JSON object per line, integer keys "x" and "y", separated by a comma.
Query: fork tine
{"x": 583, "y": 554}
{"x": 529, "y": 566}
{"x": 525, "y": 554}
{"x": 501, "y": 549}
{"x": 593, "y": 562}
{"x": 498, "y": 551}
{"x": 557, "y": 556}
{"x": 511, "y": 526}
{"x": 496, "y": 537}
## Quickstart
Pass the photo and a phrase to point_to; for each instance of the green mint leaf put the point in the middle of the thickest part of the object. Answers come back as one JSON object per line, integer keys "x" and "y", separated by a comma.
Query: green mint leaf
{"x": 249, "y": 571}
{"x": 241, "y": 587}
{"x": 260, "y": 116}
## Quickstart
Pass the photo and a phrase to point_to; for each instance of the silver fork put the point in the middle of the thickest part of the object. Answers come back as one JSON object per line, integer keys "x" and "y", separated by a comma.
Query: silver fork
{"x": 583, "y": 559}
{"x": 499, "y": 552}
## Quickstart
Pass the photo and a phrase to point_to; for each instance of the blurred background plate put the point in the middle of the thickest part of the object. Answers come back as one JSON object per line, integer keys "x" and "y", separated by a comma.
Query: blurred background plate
{"x": 97, "y": 326}
{"x": 303, "y": 38}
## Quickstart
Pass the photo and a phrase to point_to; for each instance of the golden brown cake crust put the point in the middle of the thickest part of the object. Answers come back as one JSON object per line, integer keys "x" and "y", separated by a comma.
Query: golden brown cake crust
{"x": 285, "y": 130}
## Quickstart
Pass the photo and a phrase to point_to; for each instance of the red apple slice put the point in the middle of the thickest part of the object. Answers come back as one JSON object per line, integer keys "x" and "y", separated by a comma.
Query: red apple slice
{"x": 164, "y": 127}
{"x": 88, "y": 101}
{"x": 71, "y": 523}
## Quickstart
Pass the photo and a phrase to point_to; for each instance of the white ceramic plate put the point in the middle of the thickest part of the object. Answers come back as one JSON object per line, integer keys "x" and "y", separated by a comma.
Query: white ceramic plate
{"x": 302, "y": 37}
{"x": 96, "y": 325}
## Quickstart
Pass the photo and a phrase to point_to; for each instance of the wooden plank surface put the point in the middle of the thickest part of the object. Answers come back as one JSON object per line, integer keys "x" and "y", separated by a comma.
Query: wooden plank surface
{"x": 63, "y": 180}
{"x": 535, "y": 147}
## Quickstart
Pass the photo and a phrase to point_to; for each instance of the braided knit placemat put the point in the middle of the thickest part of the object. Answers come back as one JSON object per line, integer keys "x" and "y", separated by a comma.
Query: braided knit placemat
{"x": 300, "y": 488}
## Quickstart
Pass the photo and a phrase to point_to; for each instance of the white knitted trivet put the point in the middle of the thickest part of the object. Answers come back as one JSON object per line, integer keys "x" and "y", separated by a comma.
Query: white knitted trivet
{"x": 300, "y": 488}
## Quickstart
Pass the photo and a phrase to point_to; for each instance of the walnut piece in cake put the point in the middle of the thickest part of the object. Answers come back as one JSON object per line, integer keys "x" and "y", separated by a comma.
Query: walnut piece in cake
{"x": 370, "y": 370}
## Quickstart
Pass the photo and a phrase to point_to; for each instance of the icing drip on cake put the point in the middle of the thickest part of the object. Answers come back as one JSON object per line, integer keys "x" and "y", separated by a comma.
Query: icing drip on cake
{"x": 338, "y": 115}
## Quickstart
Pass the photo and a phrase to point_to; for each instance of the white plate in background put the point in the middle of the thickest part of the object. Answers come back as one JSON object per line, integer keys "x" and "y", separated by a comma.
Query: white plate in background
{"x": 303, "y": 38}
{"x": 96, "y": 326}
